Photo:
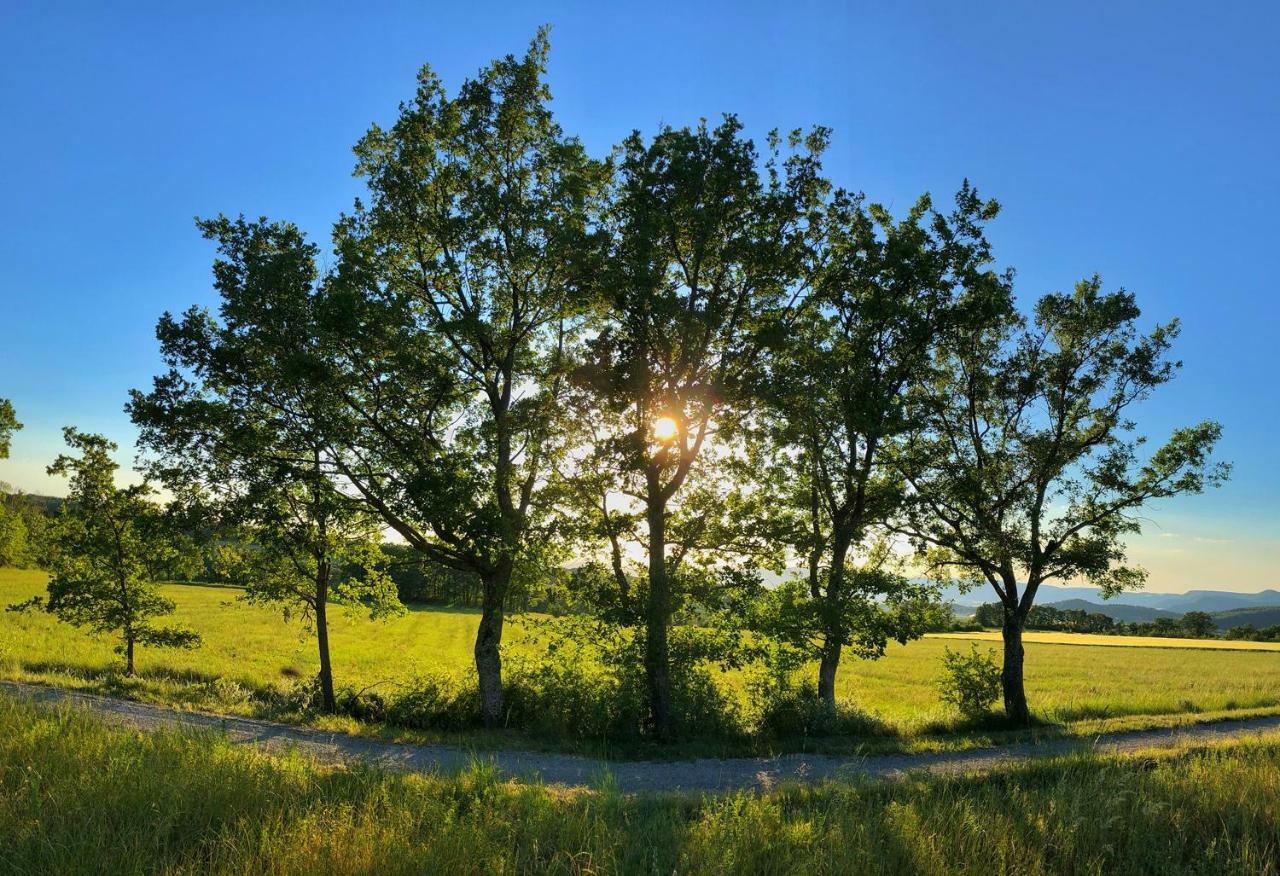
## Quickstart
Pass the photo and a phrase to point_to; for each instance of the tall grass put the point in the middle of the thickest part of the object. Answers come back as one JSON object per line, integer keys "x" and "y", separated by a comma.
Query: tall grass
{"x": 76, "y": 797}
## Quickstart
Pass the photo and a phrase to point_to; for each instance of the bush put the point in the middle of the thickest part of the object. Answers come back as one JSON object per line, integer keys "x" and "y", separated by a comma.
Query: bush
{"x": 591, "y": 685}
{"x": 970, "y": 682}
{"x": 786, "y": 708}
{"x": 586, "y": 685}
{"x": 785, "y": 703}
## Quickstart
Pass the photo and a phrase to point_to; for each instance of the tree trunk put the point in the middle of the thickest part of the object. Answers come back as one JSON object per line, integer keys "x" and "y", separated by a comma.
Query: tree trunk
{"x": 128, "y": 654}
{"x": 489, "y": 643}
{"x": 1015, "y": 694}
{"x": 328, "y": 702}
{"x": 833, "y": 621}
{"x": 657, "y": 662}
{"x": 827, "y": 667}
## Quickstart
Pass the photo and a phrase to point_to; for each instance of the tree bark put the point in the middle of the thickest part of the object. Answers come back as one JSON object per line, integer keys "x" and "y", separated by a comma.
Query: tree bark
{"x": 489, "y": 643}
{"x": 128, "y": 655}
{"x": 328, "y": 702}
{"x": 827, "y": 667}
{"x": 833, "y": 622}
{"x": 657, "y": 662}
{"x": 1015, "y": 694}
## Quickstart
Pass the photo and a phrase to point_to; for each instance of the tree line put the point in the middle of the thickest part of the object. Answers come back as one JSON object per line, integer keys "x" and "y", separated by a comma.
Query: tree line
{"x": 1191, "y": 625}
{"x": 657, "y": 377}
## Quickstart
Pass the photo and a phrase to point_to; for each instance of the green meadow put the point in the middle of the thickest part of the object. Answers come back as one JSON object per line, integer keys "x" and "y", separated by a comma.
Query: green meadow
{"x": 1082, "y": 688}
{"x": 74, "y": 794}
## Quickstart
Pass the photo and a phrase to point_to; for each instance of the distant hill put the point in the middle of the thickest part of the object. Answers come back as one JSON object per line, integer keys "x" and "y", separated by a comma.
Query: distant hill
{"x": 1259, "y": 616}
{"x": 1120, "y": 611}
{"x": 1211, "y": 601}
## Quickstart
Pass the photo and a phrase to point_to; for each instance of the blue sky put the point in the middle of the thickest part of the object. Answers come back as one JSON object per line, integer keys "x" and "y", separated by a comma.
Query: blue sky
{"x": 1137, "y": 144}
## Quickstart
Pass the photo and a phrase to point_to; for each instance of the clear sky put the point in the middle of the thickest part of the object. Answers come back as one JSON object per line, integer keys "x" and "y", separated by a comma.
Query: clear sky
{"x": 1138, "y": 140}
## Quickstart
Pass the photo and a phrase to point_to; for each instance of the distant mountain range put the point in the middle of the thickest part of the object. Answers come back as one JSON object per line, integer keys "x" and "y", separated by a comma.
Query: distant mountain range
{"x": 1260, "y": 617}
{"x": 1174, "y": 604}
{"x": 1116, "y": 610}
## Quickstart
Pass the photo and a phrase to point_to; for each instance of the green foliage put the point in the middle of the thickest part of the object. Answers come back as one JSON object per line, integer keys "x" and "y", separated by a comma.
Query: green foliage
{"x": 697, "y": 245}
{"x": 875, "y": 608}
{"x": 15, "y": 549}
{"x": 589, "y": 683}
{"x": 458, "y": 281}
{"x": 970, "y": 682}
{"x": 883, "y": 294}
{"x": 24, "y": 527}
{"x": 8, "y": 425}
{"x": 782, "y": 706}
{"x": 1025, "y": 464}
{"x": 100, "y": 545}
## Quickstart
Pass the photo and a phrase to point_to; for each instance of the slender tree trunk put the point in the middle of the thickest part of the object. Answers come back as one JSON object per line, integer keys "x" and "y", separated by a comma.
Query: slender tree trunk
{"x": 328, "y": 702}
{"x": 128, "y": 654}
{"x": 827, "y": 667}
{"x": 657, "y": 661}
{"x": 489, "y": 643}
{"x": 1015, "y": 694}
{"x": 833, "y": 621}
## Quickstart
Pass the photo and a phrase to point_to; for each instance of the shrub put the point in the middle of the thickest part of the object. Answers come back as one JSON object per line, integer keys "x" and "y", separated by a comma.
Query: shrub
{"x": 299, "y": 697}
{"x": 592, "y": 686}
{"x": 970, "y": 682}
{"x": 785, "y": 707}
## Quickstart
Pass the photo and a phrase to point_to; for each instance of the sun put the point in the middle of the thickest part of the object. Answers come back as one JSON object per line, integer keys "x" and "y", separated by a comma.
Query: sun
{"x": 665, "y": 428}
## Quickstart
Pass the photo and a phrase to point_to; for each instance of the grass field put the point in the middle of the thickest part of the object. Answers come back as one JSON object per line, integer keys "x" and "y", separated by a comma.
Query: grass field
{"x": 1087, "y": 687}
{"x": 75, "y": 796}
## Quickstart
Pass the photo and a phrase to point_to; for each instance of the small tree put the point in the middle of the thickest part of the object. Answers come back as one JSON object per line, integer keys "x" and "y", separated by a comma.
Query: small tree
{"x": 236, "y": 427}
{"x": 305, "y": 565}
{"x": 14, "y": 542}
{"x": 8, "y": 425}
{"x": 1199, "y": 624}
{"x": 1026, "y": 468}
{"x": 98, "y": 552}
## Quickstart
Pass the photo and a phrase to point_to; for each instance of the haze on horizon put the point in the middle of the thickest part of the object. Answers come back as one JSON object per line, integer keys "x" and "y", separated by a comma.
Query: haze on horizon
{"x": 1140, "y": 148}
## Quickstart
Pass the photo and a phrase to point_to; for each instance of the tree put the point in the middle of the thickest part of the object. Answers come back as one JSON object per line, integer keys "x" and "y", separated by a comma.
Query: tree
{"x": 24, "y": 521}
{"x": 237, "y": 426}
{"x": 98, "y": 551}
{"x": 451, "y": 312}
{"x": 1199, "y": 624}
{"x": 699, "y": 251}
{"x": 1026, "y": 466}
{"x": 14, "y": 538}
{"x": 8, "y": 425}
{"x": 884, "y": 294}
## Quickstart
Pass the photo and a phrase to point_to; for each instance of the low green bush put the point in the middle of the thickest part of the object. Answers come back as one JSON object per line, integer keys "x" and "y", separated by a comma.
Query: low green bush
{"x": 970, "y": 682}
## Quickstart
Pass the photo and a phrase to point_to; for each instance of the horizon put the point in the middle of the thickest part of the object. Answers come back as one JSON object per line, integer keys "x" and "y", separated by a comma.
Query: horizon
{"x": 128, "y": 124}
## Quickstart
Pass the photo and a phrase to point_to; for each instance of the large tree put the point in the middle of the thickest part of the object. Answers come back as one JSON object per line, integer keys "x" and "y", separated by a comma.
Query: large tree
{"x": 450, "y": 312}
{"x": 700, "y": 254}
{"x": 237, "y": 425}
{"x": 883, "y": 295}
{"x": 98, "y": 551}
{"x": 1027, "y": 466}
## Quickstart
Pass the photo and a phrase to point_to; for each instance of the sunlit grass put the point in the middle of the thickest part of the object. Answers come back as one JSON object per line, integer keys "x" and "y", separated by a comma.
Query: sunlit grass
{"x": 1088, "y": 688}
{"x": 76, "y": 797}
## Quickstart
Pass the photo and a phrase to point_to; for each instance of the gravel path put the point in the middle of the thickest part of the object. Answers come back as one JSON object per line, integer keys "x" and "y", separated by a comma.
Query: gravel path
{"x": 560, "y": 769}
